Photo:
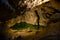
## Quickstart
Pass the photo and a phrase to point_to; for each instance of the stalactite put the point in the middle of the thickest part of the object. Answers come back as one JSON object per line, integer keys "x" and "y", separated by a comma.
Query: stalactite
{"x": 38, "y": 17}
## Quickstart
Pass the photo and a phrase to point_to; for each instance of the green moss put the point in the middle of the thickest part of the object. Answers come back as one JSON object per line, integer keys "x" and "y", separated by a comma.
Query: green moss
{"x": 24, "y": 25}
